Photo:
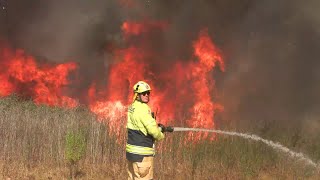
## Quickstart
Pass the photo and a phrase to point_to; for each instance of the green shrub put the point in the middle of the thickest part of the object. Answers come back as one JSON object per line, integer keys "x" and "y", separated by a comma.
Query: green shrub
{"x": 75, "y": 146}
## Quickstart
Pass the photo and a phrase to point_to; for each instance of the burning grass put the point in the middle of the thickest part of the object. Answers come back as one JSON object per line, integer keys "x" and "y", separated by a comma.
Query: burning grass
{"x": 33, "y": 145}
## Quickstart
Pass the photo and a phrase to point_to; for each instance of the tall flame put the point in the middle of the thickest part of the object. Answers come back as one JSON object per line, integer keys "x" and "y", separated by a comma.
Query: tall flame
{"x": 203, "y": 110}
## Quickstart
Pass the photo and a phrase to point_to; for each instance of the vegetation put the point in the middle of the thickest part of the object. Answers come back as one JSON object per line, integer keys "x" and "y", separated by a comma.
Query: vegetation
{"x": 75, "y": 149}
{"x": 40, "y": 142}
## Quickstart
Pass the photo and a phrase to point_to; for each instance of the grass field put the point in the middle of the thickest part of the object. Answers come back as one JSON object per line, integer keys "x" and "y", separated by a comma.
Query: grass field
{"x": 41, "y": 142}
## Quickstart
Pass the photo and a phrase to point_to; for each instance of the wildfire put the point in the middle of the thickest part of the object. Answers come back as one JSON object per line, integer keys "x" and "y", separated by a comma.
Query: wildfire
{"x": 203, "y": 110}
{"x": 192, "y": 83}
{"x": 182, "y": 95}
{"x": 19, "y": 73}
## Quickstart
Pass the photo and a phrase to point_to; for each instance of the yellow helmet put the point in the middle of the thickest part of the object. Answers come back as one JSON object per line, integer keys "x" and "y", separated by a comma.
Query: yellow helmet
{"x": 141, "y": 87}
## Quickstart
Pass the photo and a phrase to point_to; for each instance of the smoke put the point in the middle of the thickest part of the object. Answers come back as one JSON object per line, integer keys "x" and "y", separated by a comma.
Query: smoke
{"x": 60, "y": 31}
{"x": 273, "y": 77}
{"x": 270, "y": 47}
{"x": 65, "y": 31}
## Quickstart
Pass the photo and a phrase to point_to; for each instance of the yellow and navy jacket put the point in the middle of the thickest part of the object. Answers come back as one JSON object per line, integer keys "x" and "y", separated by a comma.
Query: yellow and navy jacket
{"x": 142, "y": 132}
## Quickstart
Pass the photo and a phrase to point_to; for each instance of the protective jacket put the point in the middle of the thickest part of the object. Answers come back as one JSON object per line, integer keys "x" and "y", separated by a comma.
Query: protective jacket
{"x": 142, "y": 132}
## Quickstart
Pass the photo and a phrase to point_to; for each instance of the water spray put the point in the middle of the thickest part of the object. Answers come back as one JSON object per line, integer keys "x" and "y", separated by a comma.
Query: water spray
{"x": 274, "y": 145}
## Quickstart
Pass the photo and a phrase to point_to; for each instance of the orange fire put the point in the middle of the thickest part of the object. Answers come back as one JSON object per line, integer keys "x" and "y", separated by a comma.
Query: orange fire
{"x": 182, "y": 94}
{"x": 122, "y": 75}
{"x": 43, "y": 82}
{"x": 184, "y": 90}
{"x": 137, "y": 28}
{"x": 208, "y": 55}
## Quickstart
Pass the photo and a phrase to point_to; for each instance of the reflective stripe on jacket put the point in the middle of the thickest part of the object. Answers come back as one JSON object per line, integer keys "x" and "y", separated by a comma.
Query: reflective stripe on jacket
{"x": 142, "y": 130}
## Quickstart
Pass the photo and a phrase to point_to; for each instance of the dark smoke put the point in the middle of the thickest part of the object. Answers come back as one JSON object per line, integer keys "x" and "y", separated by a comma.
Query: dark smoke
{"x": 72, "y": 30}
{"x": 271, "y": 47}
{"x": 273, "y": 75}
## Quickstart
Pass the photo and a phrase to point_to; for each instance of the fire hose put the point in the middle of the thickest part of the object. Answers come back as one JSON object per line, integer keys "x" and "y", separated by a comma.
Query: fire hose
{"x": 274, "y": 145}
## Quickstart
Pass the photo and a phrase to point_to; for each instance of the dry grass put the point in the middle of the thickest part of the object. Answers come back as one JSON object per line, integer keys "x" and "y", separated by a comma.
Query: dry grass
{"x": 33, "y": 146}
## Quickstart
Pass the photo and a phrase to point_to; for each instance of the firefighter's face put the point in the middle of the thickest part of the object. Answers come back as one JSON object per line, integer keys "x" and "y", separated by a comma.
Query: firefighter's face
{"x": 144, "y": 97}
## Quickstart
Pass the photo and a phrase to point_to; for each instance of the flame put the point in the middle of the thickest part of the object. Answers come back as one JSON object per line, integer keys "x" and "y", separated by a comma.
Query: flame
{"x": 138, "y": 28}
{"x": 203, "y": 110}
{"x": 207, "y": 53}
{"x": 43, "y": 82}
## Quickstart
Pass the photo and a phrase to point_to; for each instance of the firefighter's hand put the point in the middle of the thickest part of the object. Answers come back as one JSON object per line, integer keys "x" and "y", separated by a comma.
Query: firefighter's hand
{"x": 165, "y": 129}
{"x": 169, "y": 129}
{"x": 162, "y": 127}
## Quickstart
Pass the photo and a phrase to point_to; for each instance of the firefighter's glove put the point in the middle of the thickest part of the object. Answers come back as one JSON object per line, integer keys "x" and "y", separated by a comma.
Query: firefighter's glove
{"x": 165, "y": 129}
{"x": 169, "y": 129}
{"x": 162, "y": 127}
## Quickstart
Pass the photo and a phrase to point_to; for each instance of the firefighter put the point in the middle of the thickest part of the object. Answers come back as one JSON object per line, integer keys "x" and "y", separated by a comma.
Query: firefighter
{"x": 142, "y": 131}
